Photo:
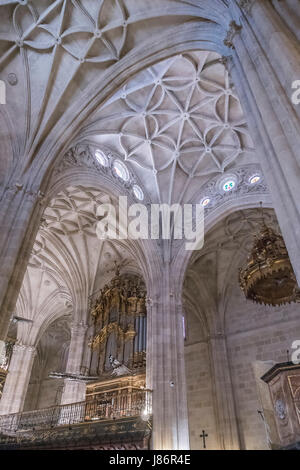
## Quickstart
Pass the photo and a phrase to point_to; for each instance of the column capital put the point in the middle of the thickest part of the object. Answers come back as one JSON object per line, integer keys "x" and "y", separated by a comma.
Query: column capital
{"x": 17, "y": 187}
{"x": 21, "y": 348}
{"x": 157, "y": 302}
{"x": 79, "y": 328}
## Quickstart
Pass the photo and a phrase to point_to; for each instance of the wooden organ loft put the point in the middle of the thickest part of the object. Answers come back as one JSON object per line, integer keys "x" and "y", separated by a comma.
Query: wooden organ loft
{"x": 117, "y": 410}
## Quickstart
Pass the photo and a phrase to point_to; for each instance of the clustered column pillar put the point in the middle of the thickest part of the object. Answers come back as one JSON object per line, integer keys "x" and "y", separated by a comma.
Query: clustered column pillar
{"x": 74, "y": 390}
{"x": 225, "y": 410}
{"x": 280, "y": 44}
{"x": 289, "y": 13}
{"x": 21, "y": 209}
{"x": 17, "y": 380}
{"x": 259, "y": 75}
{"x": 165, "y": 365}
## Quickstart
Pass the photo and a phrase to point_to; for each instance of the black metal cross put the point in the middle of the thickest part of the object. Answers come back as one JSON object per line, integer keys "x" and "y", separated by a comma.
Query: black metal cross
{"x": 204, "y": 435}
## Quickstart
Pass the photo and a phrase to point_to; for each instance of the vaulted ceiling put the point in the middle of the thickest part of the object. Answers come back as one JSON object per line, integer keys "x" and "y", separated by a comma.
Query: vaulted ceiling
{"x": 176, "y": 124}
{"x": 68, "y": 264}
{"x": 55, "y": 53}
{"x": 179, "y": 127}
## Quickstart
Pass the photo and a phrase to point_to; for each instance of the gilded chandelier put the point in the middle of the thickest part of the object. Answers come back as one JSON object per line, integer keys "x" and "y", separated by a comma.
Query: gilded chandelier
{"x": 268, "y": 277}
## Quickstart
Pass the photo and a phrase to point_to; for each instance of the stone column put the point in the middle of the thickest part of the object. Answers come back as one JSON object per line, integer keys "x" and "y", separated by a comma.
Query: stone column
{"x": 74, "y": 390}
{"x": 224, "y": 398}
{"x": 290, "y": 14}
{"x": 17, "y": 380}
{"x": 165, "y": 365}
{"x": 2, "y": 349}
{"x": 273, "y": 126}
{"x": 279, "y": 43}
{"x": 21, "y": 209}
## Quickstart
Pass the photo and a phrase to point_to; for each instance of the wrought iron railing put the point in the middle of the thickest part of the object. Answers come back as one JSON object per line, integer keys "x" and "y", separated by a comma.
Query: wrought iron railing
{"x": 114, "y": 404}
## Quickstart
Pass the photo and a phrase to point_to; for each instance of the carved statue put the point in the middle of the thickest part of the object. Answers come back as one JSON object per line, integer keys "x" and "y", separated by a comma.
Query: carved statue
{"x": 118, "y": 368}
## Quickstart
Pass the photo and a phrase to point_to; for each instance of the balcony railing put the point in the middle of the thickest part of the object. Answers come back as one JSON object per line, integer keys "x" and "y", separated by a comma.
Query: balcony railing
{"x": 115, "y": 404}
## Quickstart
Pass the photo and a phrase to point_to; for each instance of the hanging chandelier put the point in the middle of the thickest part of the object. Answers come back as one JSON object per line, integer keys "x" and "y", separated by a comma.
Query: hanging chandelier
{"x": 268, "y": 277}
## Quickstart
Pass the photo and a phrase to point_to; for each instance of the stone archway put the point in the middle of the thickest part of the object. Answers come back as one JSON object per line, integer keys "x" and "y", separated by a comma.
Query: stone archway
{"x": 262, "y": 77}
{"x": 227, "y": 335}
{"x": 209, "y": 31}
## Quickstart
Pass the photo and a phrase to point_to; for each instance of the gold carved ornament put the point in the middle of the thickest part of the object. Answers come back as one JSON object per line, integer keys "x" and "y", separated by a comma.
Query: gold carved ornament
{"x": 104, "y": 333}
{"x": 268, "y": 277}
{"x": 128, "y": 297}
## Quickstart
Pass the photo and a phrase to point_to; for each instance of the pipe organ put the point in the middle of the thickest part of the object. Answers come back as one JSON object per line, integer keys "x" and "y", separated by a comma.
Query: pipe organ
{"x": 120, "y": 328}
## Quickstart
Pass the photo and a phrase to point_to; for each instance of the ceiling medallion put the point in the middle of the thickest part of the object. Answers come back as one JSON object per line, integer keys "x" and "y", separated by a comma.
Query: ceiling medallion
{"x": 268, "y": 277}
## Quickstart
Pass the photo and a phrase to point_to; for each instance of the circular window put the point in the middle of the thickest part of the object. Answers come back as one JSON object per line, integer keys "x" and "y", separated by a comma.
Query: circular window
{"x": 229, "y": 185}
{"x": 120, "y": 170}
{"x": 138, "y": 192}
{"x": 254, "y": 179}
{"x": 205, "y": 201}
{"x": 101, "y": 158}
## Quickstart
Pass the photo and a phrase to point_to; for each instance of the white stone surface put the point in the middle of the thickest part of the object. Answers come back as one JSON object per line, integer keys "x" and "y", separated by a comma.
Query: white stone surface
{"x": 71, "y": 68}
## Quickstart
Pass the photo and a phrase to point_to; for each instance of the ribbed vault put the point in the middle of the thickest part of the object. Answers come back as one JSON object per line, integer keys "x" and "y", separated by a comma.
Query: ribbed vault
{"x": 69, "y": 263}
{"x": 177, "y": 124}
